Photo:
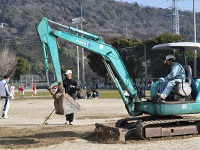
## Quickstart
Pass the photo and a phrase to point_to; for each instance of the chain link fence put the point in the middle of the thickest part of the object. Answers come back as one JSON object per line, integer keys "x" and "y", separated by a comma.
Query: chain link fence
{"x": 28, "y": 80}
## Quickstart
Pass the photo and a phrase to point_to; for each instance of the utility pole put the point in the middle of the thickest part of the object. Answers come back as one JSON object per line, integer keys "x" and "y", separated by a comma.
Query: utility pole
{"x": 195, "y": 38}
{"x": 126, "y": 29}
{"x": 175, "y": 17}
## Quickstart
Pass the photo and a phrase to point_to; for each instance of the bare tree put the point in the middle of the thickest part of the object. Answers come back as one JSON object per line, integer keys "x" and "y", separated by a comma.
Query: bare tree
{"x": 8, "y": 62}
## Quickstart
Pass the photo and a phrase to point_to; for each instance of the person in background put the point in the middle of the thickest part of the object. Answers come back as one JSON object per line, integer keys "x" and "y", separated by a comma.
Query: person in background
{"x": 12, "y": 90}
{"x": 88, "y": 94}
{"x": 21, "y": 90}
{"x": 5, "y": 94}
{"x": 55, "y": 88}
{"x": 79, "y": 94}
{"x": 95, "y": 93}
{"x": 70, "y": 85}
{"x": 34, "y": 90}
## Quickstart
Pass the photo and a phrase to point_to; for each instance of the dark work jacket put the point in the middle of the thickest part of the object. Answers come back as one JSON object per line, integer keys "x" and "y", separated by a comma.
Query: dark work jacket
{"x": 70, "y": 90}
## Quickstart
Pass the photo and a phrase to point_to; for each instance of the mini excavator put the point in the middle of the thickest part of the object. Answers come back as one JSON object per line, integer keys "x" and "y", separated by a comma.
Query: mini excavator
{"x": 150, "y": 120}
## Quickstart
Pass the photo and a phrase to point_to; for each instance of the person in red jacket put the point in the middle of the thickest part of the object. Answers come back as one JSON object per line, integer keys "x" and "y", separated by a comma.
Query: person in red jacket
{"x": 34, "y": 90}
{"x": 21, "y": 89}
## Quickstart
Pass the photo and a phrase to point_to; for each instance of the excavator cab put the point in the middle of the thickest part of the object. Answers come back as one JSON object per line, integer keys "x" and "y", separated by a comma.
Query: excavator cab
{"x": 182, "y": 91}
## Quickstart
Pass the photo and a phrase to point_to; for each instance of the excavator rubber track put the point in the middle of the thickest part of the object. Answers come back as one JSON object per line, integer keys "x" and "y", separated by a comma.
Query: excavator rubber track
{"x": 150, "y": 127}
{"x": 168, "y": 127}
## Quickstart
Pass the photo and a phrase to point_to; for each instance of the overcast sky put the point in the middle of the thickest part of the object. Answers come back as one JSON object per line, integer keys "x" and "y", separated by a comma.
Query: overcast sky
{"x": 182, "y": 4}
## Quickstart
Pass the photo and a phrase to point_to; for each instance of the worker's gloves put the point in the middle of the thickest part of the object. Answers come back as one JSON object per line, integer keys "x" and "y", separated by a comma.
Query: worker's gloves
{"x": 75, "y": 87}
{"x": 161, "y": 80}
{"x": 72, "y": 86}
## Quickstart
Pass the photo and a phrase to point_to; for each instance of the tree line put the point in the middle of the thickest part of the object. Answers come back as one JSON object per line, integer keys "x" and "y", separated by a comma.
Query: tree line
{"x": 132, "y": 53}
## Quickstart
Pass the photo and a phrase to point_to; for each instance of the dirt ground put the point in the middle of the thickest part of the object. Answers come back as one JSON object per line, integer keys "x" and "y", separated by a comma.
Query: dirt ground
{"x": 24, "y": 129}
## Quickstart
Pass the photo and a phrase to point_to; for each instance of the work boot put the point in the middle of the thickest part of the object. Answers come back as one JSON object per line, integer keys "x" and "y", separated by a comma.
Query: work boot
{"x": 71, "y": 123}
{"x": 161, "y": 97}
{"x": 5, "y": 117}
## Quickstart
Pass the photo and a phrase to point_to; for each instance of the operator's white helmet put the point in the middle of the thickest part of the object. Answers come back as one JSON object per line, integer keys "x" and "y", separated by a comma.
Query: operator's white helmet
{"x": 68, "y": 72}
{"x": 170, "y": 56}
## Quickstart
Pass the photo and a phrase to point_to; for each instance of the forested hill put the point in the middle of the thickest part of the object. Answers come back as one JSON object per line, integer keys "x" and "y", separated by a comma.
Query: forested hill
{"x": 106, "y": 18}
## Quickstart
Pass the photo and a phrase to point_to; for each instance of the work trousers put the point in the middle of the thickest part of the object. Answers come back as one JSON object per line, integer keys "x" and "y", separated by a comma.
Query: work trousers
{"x": 167, "y": 86}
{"x": 70, "y": 117}
{"x": 5, "y": 106}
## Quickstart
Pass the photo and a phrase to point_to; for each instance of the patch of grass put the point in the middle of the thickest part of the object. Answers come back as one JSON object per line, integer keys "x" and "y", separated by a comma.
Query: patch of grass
{"x": 109, "y": 94}
{"x": 44, "y": 94}
{"x": 41, "y": 94}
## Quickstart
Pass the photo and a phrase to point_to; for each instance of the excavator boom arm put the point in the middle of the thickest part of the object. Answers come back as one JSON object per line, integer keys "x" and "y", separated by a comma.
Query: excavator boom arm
{"x": 110, "y": 56}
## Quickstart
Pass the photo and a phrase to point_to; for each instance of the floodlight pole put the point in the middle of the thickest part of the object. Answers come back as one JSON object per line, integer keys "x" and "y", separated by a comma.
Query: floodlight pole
{"x": 83, "y": 54}
{"x": 77, "y": 53}
{"x": 1, "y": 26}
{"x": 76, "y": 21}
{"x": 3, "y": 37}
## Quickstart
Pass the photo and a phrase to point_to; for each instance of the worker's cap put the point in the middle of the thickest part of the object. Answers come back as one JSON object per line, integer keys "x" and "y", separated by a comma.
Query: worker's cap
{"x": 170, "y": 56}
{"x": 68, "y": 72}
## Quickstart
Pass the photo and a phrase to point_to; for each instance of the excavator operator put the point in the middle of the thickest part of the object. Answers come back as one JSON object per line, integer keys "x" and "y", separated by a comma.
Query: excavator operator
{"x": 177, "y": 74}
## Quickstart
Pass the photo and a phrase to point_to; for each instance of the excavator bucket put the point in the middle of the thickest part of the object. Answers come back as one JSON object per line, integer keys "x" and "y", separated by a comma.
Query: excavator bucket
{"x": 65, "y": 104}
{"x": 105, "y": 133}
